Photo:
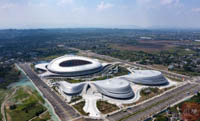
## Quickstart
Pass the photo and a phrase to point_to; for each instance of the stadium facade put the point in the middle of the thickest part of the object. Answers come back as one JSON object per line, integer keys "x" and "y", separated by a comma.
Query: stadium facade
{"x": 70, "y": 66}
{"x": 70, "y": 89}
{"x": 117, "y": 87}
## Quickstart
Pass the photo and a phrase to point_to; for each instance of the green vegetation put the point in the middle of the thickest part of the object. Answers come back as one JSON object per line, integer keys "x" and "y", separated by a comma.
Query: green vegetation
{"x": 105, "y": 107}
{"x": 21, "y": 94}
{"x": 121, "y": 71}
{"x": 154, "y": 104}
{"x": 102, "y": 78}
{"x": 148, "y": 91}
{"x": 51, "y": 57}
{"x": 3, "y": 93}
{"x": 70, "y": 80}
{"x": 183, "y": 62}
{"x": 44, "y": 117}
{"x": 161, "y": 118}
{"x": 75, "y": 99}
{"x": 194, "y": 99}
{"x": 25, "y": 104}
{"x": 173, "y": 110}
{"x": 79, "y": 107}
{"x": 166, "y": 47}
{"x": 174, "y": 79}
{"x": 9, "y": 74}
{"x": 74, "y": 81}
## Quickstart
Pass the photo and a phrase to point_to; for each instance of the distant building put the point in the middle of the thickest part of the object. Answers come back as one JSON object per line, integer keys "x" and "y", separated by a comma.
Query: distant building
{"x": 147, "y": 38}
{"x": 190, "y": 111}
{"x": 170, "y": 67}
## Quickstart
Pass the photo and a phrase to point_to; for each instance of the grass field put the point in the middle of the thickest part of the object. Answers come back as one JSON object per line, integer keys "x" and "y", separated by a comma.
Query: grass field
{"x": 148, "y": 93}
{"x": 146, "y": 46}
{"x": 49, "y": 57}
{"x": 68, "y": 80}
{"x": 3, "y": 93}
{"x": 44, "y": 117}
{"x": 24, "y": 105}
{"x": 79, "y": 107}
{"x": 105, "y": 107}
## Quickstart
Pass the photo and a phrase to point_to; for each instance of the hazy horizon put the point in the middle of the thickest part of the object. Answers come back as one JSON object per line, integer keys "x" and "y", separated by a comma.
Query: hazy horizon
{"x": 142, "y": 14}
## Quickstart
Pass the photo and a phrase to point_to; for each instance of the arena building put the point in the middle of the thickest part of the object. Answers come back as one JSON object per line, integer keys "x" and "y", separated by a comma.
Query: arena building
{"x": 71, "y": 66}
{"x": 115, "y": 88}
{"x": 146, "y": 77}
{"x": 70, "y": 89}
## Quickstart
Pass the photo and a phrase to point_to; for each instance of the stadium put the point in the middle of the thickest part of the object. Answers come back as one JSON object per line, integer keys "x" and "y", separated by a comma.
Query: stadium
{"x": 70, "y": 66}
{"x": 115, "y": 87}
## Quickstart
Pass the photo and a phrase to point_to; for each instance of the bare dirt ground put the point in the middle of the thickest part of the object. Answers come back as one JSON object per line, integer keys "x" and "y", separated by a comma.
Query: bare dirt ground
{"x": 147, "y": 45}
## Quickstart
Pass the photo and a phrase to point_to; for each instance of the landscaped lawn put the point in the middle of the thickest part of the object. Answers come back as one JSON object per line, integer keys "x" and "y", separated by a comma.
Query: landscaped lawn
{"x": 2, "y": 96}
{"x": 105, "y": 107}
{"x": 24, "y": 105}
{"x": 79, "y": 106}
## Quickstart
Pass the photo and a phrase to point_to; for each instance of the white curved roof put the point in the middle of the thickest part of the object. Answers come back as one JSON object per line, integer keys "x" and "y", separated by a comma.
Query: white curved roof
{"x": 115, "y": 87}
{"x": 113, "y": 84}
{"x": 54, "y": 65}
{"x": 147, "y": 77}
{"x": 70, "y": 88}
{"x": 41, "y": 66}
{"x": 145, "y": 73}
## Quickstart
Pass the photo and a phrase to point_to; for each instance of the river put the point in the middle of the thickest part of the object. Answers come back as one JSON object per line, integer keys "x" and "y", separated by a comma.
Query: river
{"x": 24, "y": 81}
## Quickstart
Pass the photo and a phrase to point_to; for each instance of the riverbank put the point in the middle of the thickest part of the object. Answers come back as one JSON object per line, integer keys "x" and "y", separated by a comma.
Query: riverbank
{"x": 25, "y": 81}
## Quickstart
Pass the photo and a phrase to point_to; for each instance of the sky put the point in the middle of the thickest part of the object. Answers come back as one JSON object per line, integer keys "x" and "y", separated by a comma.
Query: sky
{"x": 99, "y": 13}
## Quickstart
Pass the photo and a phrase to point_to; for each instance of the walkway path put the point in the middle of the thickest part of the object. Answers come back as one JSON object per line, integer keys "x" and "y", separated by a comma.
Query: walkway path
{"x": 90, "y": 102}
{"x": 4, "y": 103}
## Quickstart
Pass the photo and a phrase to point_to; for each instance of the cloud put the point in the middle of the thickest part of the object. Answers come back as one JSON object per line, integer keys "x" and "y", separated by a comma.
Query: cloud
{"x": 7, "y": 5}
{"x": 164, "y": 2}
{"x": 169, "y": 2}
{"x": 196, "y": 10}
{"x": 103, "y": 6}
{"x": 64, "y": 2}
{"x": 158, "y": 2}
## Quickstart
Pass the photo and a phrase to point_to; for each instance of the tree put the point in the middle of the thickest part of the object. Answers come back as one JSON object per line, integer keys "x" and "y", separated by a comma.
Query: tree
{"x": 161, "y": 118}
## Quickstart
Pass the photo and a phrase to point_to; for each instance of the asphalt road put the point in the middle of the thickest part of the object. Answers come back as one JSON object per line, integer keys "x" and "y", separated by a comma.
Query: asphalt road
{"x": 64, "y": 111}
{"x": 151, "y": 107}
{"x": 170, "y": 74}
